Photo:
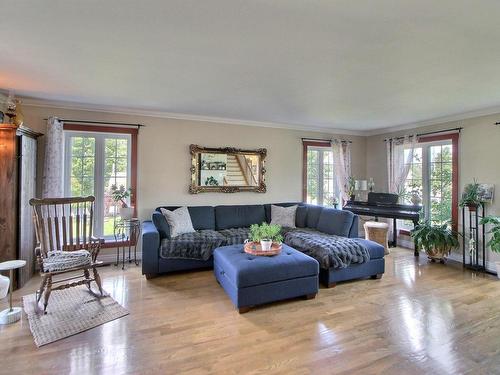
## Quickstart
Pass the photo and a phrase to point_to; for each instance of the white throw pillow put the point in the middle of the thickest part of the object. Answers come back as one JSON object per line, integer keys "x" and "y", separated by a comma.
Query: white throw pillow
{"x": 179, "y": 221}
{"x": 284, "y": 216}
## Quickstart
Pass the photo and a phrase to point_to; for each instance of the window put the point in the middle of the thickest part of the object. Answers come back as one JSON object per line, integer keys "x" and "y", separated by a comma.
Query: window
{"x": 433, "y": 175}
{"x": 320, "y": 184}
{"x": 94, "y": 162}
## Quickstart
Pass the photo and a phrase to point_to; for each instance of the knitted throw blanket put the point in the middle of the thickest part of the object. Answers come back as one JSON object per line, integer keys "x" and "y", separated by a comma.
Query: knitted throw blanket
{"x": 329, "y": 250}
{"x": 62, "y": 260}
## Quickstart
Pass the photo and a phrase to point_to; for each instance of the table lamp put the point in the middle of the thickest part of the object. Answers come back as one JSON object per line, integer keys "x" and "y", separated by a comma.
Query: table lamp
{"x": 360, "y": 186}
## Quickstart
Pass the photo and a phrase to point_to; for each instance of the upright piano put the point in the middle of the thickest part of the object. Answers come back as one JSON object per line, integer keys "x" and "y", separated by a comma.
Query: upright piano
{"x": 385, "y": 205}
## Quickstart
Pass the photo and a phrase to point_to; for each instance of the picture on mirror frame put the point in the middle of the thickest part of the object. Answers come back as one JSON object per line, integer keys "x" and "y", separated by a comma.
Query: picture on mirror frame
{"x": 485, "y": 192}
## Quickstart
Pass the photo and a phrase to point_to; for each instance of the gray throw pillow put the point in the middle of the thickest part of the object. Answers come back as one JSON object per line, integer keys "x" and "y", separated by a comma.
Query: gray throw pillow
{"x": 179, "y": 221}
{"x": 284, "y": 216}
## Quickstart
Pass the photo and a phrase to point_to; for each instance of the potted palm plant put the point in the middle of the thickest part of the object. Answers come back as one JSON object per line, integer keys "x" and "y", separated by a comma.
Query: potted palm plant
{"x": 120, "y": 195}
{"x": 494, "y": 242}
{"x": 470, "y": 196}
{"x": 266, "y": 234}
{"x": 436, "y": 240}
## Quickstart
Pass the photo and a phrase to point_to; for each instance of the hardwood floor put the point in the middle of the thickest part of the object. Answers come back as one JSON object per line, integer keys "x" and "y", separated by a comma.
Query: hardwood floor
{"x": 420, "y": 318}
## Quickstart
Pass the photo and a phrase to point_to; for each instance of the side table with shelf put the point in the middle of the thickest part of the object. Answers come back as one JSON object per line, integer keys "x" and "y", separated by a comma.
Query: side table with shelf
{"x": 127, "y": 233}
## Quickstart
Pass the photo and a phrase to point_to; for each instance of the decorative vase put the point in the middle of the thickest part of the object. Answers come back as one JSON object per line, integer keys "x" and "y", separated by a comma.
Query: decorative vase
{"x": 437, "y": 254}
{"x": 415, "y": 199}
{"x": 266, "y": 245}
{"x": 126, "y": 213}
{"x": 472, "y": 207}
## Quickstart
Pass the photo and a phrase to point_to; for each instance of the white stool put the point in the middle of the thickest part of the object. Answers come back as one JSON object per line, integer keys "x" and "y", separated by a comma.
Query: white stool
{"x": 12, "y": 314}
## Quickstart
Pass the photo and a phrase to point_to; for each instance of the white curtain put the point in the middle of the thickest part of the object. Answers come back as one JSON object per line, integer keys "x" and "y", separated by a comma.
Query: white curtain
{"x": 52, "y": 178}
{"x": 342, "y": 164}
{"x": 399, "y": 161}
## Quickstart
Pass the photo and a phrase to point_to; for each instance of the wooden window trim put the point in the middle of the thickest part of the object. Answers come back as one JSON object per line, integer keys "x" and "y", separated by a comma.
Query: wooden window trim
{"x": 454, "y": 137}
{"x": 133, "y": 159}
{"x": 305, "y": 145}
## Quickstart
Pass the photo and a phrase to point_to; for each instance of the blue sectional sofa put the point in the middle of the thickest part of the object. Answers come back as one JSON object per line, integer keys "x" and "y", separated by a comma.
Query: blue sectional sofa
{"x": 229, "y": 224}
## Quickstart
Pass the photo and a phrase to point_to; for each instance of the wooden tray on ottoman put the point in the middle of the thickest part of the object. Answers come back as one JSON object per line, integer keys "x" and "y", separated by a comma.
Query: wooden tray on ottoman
{"x": 254, "y": 248}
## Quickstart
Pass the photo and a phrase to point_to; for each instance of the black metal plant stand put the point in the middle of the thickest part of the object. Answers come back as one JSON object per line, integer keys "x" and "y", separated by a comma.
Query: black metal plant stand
{"x": 127, "y": 234}
{"x": 474, "y": 234}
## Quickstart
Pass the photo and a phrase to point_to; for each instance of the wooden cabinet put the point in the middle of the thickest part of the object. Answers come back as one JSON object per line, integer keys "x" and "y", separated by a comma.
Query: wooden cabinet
{"x": 18, "y": 160}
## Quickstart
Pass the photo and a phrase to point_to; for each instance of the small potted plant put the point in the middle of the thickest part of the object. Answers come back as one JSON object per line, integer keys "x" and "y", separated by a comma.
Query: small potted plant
{"x": 470, "y": 196}
{"x": 494, "y": 242}
{"x": 120, "y": 194}
{"x": 266, "y": 234}
{"x": 402, "y": 193}
{"x": 415, "y": 198}
{"x": 351, "y": 188}
{"x": 436, "y": 240}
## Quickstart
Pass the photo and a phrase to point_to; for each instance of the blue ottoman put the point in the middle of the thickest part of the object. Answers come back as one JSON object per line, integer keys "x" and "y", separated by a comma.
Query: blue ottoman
{"x": 254, "y": 280}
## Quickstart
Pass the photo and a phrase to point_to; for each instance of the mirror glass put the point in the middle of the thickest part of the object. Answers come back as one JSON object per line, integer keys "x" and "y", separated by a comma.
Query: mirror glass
{"x": 227, "y": 169}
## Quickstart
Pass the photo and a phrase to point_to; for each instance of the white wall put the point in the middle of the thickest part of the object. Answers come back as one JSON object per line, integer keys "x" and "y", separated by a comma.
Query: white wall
{"x": 164, "y": 159}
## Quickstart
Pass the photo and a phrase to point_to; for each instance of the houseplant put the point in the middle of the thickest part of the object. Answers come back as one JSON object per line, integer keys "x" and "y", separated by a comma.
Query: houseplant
{"x": 415, "y": 196}
{"x": 266, "y": 234}
{"x": 494, "y": 242}
{"x": 470, "y": 196}
{"x": 436, "y": 240}
{"x": 120, "y": 194}
{"x": 351, "y": 187}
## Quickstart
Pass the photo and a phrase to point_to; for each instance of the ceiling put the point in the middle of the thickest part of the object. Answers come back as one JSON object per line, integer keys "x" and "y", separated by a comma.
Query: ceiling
{"x": 353, "y": 65}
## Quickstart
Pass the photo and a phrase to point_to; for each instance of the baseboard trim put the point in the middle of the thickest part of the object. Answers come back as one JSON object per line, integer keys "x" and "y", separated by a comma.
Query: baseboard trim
{"x": 111, "y": 258}
{"x": 457, "y": 257}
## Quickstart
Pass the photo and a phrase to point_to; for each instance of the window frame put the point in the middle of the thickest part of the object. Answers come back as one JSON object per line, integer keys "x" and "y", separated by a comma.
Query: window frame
{"x": 426, "y": 142}
{"x": 101, "y": 132}
{"x": 315, "y": 145}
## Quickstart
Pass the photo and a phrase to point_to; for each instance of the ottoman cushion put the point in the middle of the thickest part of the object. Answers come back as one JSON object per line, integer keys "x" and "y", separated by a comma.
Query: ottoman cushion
{"x": 246, "y": 270}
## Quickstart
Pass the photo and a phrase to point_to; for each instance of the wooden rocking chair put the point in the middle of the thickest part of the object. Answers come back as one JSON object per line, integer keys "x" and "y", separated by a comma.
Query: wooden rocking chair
{"x": 65, "y": 225}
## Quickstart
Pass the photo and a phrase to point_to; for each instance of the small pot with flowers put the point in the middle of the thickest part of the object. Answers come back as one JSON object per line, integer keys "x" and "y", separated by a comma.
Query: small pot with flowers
{"x": 120, "y": 195}
{"x": 470, "y": 196}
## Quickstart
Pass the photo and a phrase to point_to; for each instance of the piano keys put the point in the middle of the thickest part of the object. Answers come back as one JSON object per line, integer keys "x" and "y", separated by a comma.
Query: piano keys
{"x": 385, "y": 205}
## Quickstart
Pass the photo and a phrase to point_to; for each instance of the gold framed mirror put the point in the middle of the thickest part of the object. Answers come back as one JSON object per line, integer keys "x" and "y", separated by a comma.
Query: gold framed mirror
{"x": 227, "y": 170}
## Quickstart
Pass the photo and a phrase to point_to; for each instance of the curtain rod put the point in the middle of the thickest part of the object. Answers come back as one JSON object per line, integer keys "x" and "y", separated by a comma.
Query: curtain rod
{"x": 323, "y": 140}
{"x": 99, "y": 122}
{"x": 429, "y": 133}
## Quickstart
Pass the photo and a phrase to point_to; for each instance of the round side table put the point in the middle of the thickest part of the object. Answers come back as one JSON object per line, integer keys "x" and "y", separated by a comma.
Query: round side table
{"x": 127, "y": 234}
{"x": 12, "y": 314}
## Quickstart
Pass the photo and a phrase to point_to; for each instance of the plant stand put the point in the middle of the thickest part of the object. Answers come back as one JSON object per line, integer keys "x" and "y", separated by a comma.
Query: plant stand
{"x": 127, "y": 234}
{"x": 472, "y": 230}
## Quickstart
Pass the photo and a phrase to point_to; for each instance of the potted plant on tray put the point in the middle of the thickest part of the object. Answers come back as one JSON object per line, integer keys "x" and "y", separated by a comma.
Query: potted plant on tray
{"x": 436, "y": 240}
{"x": 470, "y": 196}
{"x": 266, "y": 234}
{"x": 494, "y": 242}
{"x": 119, "y": 196}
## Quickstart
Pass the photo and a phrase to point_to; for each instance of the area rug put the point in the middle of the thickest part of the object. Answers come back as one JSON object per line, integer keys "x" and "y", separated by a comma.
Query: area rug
{"x": 70, "y": 311}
